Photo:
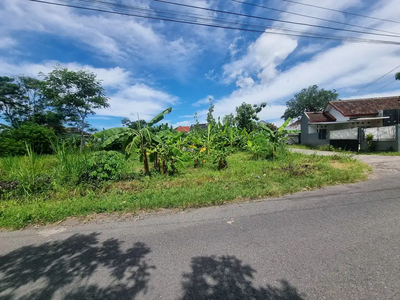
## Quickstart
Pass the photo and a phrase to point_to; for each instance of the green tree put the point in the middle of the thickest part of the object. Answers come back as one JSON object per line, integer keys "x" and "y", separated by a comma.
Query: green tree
{"x": 196, "y": 118}
{"x": 397, "y": 76}
{"x": 39, "y": 107}
{"x": 36, "y": 102}
{"x": 13, "y": 103}
{"x": 246, "y": 115}
{"x": 271, "y": 126}
{"x": 14, "y": 140}
{"x": 229, "y": 120}
{"x": 309, "y": 99}
{"x": 210, "y": 117}
{"x": 76, "y": 95}
{"x": 133, "y": 124}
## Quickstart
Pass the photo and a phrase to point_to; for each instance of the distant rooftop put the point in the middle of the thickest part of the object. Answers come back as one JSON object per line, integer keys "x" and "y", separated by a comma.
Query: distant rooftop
{"x": 366, "y": 106}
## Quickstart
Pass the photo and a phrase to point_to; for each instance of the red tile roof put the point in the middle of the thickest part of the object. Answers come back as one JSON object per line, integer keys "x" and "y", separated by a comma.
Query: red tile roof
{"x": 183, "y": 129}
{"x": 295, "y": 123}
{"x": 320, "y": 116}
{"x": 366, "y": 106}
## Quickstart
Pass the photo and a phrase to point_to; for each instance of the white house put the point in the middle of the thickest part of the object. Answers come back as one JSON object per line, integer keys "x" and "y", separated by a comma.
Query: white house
{"x": 317, "y": 127}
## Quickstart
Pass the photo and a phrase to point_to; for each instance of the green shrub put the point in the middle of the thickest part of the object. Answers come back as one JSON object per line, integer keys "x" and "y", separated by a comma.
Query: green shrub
{"x": 369, "y": 140}
{"x": 14, "y": 140}
{"x": 72, "y": 164}
{"x": 104, "y": 165}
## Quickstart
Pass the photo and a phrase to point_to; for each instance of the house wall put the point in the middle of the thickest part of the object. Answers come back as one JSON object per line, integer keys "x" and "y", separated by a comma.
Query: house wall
{"x": 334, "y": 112}
{"x": 309, "y": 134}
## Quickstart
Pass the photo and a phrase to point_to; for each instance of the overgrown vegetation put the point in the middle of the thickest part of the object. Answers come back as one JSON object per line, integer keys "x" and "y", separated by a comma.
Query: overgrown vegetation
{"x": 244, "y": 179}
{"x": 46, "y": 175}
{"x": 38, "y": 110}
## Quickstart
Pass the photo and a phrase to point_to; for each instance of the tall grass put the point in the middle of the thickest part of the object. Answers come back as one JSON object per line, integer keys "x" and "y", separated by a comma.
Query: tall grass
{"x": 193, "y": 187}
{"x": 71, "y": 163}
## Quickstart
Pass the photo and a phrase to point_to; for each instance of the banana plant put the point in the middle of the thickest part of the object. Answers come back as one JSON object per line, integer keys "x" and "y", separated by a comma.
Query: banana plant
{"x": 220, "y": 153}
{"x": 279, "y": 136}
{"x": 135, "y": 139}
{"x": 167, "y": 152}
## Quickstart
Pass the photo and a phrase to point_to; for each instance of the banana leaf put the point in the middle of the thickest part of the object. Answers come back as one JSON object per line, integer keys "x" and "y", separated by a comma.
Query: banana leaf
{"x": 106, "y": 133}
{"x": 159, "y": 117}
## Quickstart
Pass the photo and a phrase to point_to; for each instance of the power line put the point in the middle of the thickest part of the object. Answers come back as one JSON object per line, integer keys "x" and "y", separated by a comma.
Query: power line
{"x": 383, "y": 86}
{"x": 368, "y": 85}
{"x": 272, "y": 19}
{"x": 313, "y": 17}
{"x": 190, "y": 14}
{"x": 184, "y": 15}
{"x": 337, "y": 38}
{"x": 341, "y": 11}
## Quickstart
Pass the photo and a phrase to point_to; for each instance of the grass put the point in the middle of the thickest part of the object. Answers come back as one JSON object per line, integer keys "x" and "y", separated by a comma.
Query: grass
{"x": 244, "y": 179}
{"x": 330, "y": 148}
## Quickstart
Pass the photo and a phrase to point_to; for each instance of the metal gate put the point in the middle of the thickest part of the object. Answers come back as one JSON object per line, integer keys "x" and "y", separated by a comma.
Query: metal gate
{"x": 346, "y": 139}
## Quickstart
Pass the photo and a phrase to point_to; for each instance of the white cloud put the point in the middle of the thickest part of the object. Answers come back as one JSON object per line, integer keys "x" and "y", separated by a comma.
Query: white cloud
{"x": 210, "y": 75}
{"x": 112, "y": 37}
{"x": 138, "y": 100}
{"x": 127, "y": 97}
{"x": 343, "y": 67}
{"x": 244, "y": 82}
{"x": 309, "y": 49}
{"x": 395, "y": 91}
{"x": 261, "y": 59}
{"x": 7, "y": 42}
{"x": 203, "y": 101}
{"x": 110, "y": 77}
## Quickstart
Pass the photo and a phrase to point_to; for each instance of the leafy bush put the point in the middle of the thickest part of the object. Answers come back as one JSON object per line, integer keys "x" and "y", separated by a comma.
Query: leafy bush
{"x": 72, "y": 163}
{"x": 14, "y": 140}
{"x": 104, "y": 165}
{"x": 370, "y": 145}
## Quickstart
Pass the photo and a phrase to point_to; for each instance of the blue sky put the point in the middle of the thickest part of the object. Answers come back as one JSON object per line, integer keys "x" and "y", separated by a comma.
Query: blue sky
{"x": 147, "y": 65}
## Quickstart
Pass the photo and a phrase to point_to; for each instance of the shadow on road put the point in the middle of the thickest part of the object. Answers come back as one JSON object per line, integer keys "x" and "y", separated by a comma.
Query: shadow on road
{"x": 226, "y": 277}
{"x": 62, "y": 268}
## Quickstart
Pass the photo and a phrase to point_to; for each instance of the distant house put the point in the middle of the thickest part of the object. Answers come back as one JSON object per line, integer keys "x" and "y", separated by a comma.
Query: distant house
{"x": 201, "y": 126}
{"x": 296, "y": 125}
{"x": 76, "y": 131}
{"x": 183, "y": 129}
{"x": 318, "y": 128}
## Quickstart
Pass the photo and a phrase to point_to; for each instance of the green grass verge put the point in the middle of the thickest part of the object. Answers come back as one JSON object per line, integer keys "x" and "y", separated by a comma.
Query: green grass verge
{"x": 244, "y": 179}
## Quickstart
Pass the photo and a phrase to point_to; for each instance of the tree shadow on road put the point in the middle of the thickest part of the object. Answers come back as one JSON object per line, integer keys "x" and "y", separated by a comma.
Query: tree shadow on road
{"x": 63, "y": 269}
{"x": 226, "y": 277}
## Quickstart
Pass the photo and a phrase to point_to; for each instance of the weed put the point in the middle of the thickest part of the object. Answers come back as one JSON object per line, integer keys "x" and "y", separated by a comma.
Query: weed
{"x": 194, "y": 187}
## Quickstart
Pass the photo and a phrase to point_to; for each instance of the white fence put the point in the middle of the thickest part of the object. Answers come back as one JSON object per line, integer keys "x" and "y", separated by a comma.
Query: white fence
{"x": 344, "y": 134}
{"x": 386, "y": 133}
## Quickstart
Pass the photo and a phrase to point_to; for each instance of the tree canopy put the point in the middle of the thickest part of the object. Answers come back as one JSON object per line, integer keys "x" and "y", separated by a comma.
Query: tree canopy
{"x": 309, "y": 99}
{"x": 13, "y": 104}
{"x": 397, "y": 76}
{"x": 76, "y": 95}
{"x": 229, "y": 120}
{"x": 210, "y": 117}
{"x": 246, "y": 115}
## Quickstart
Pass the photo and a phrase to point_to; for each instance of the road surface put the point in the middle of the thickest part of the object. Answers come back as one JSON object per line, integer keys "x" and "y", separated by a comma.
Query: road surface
{"x": 340, "y": 242}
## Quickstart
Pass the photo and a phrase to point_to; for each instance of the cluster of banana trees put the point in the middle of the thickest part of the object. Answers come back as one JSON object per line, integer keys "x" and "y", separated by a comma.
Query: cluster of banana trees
{"x": 167, "y": 148}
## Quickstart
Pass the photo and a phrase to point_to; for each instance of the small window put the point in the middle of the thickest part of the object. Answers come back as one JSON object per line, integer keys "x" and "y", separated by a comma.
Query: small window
{"x": 322, "y": 134}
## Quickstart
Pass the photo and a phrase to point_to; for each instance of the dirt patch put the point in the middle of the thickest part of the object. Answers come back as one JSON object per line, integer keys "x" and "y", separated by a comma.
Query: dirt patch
{"x": 98, "y": 218}
{"x": 340, "y": 165}
{"x": 134, "y": 186}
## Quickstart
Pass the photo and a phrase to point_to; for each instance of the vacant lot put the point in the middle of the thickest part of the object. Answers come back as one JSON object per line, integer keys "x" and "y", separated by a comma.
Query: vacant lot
{"x": 51, "y": 200}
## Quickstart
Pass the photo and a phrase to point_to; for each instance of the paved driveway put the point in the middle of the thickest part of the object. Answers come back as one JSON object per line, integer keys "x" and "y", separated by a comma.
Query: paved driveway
{"x": 382, "y": 165}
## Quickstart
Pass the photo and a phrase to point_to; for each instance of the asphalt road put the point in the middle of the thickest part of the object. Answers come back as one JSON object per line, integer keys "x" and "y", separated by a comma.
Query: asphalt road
{"x": 340, "y": 242}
